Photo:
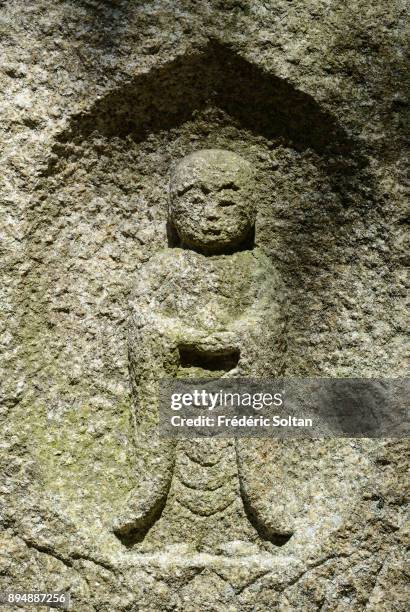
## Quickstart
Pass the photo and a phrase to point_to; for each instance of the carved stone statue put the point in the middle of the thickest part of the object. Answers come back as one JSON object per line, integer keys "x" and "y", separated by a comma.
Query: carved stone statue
{"x": 212, "y": 204}
{"x": 210, "y": 305}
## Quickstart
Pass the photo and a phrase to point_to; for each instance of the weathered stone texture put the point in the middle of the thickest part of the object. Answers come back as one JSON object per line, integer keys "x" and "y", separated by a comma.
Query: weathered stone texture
{"x": 98, "y": 101}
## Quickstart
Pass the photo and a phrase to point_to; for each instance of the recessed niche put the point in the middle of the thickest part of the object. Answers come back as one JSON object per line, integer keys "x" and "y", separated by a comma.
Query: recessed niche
{"x": 220, "y": 361}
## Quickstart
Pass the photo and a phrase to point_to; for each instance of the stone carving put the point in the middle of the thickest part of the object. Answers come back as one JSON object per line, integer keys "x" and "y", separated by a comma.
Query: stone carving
{"x": 210, "y": 306}
{"x": 211, "y": 201}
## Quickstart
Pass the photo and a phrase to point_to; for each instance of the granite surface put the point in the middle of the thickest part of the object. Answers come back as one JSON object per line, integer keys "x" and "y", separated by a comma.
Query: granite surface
{"x": 99, "y": 102}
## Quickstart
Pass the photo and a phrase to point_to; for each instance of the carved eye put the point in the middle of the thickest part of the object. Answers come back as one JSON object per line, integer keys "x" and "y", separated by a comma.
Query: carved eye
{"x": 225, "y": 203}
{"x": 182, "y": 190}
{"x": 229, "y": 186}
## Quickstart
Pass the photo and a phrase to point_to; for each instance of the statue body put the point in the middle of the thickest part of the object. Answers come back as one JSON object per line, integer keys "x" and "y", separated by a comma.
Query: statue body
{"x": 206, "y": 308}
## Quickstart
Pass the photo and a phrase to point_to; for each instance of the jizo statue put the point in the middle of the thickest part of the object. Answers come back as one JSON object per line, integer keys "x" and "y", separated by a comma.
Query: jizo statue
{"x": 209, "y": 306}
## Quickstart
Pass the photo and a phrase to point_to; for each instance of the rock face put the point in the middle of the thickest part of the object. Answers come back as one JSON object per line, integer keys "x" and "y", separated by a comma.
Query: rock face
{"x": 116, "y": 116}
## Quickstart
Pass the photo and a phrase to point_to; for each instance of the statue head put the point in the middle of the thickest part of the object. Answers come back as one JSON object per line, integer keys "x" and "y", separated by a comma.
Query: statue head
{"x": 212, "y": 200}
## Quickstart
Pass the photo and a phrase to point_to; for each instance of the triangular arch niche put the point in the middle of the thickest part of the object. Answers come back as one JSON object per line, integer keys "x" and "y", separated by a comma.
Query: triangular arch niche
{"x": 168, "y": 95}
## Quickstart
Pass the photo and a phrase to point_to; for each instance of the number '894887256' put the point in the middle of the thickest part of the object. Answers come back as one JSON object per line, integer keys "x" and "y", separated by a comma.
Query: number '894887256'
{"x": 51, "y": 600}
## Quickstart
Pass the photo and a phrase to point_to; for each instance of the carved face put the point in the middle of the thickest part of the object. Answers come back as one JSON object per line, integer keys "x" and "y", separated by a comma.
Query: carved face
{"x": 211, "y": 200}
